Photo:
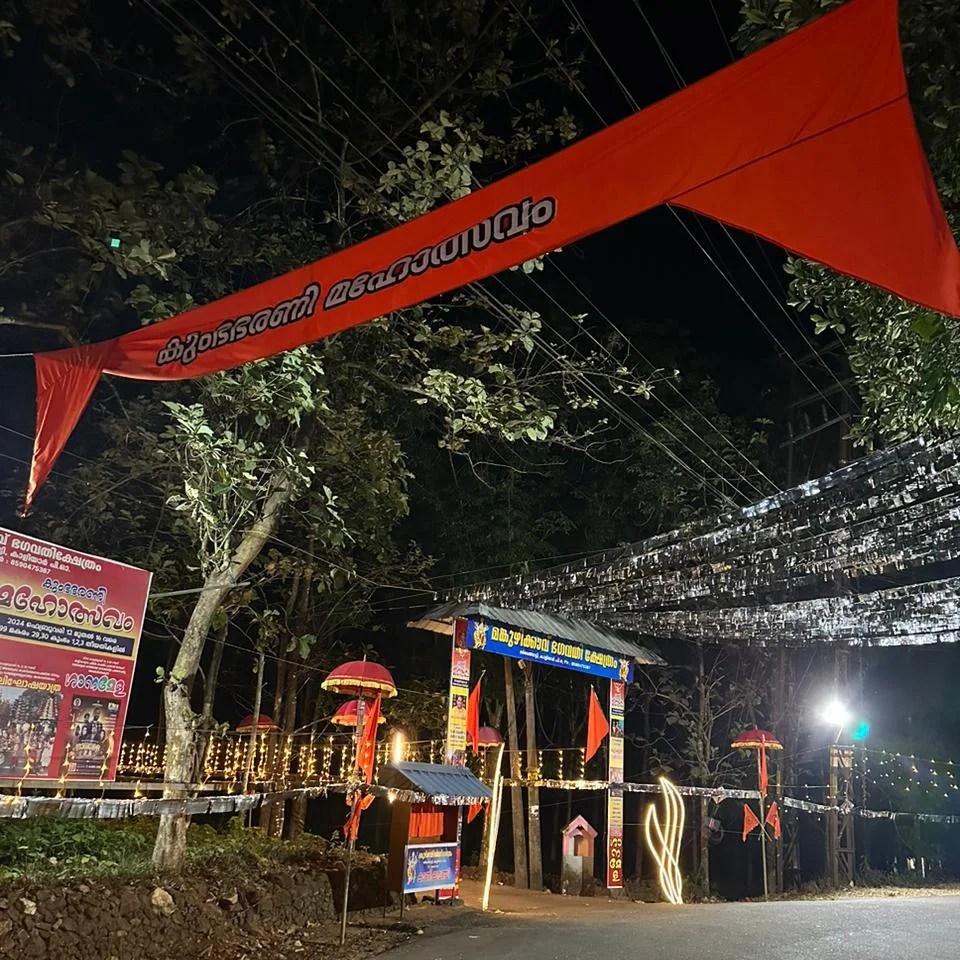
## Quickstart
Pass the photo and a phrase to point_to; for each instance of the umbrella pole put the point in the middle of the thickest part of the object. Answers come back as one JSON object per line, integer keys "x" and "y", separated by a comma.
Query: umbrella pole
{"x": 346, "y": 887}
{"x": 763, "y": 831}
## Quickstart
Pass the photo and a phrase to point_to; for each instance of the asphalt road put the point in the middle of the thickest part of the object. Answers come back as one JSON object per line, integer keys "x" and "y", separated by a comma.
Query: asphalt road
{"x": 544, "y": 927}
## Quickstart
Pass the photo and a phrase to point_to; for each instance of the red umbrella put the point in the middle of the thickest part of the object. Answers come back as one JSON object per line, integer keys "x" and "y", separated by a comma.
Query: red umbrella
{"x": 488, "y": 737}
{"x": 755, "y": 739}
{"x": 264, "y": 724}
{"x": 346, "y": 716}
{"x": 361, "y": 678}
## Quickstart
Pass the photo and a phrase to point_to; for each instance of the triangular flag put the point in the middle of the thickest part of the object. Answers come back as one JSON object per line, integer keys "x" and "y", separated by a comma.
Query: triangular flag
{"x": 473, "y": 716}
{"x": 773, "y": 819}
{"x": 475, "y": 809}
{"x": 597, "y": 726}
{"x": 750, "y": 821}
{"x": 764, "y": 779}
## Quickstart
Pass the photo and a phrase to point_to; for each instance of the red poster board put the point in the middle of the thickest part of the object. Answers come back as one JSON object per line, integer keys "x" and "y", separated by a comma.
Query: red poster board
{"x": 70, "y": 627}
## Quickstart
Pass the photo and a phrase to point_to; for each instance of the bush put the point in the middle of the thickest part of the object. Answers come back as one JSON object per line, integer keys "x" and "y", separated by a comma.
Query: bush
{"x": 52, "y": 848}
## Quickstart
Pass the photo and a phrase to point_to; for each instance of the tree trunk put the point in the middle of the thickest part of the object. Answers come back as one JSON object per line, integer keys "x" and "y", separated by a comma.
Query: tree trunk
{"x": 703, "y": 761}
{"x": 516, "y": 791}
{"x": 213, "y": 673}
{"x": 181, "y": 726}
{"x": 533, "y": 795}
{"x": 257, "y": 701}
{"x": 209, "y": 696}
{"x": 298, "y": 810}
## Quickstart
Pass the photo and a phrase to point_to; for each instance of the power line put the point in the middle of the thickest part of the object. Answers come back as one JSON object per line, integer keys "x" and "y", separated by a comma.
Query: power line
{"x": 391, "y": 140}
{"x": 602, "y": 398}
{"x": 634, "y": 104}
{"x": 681, "y": 83}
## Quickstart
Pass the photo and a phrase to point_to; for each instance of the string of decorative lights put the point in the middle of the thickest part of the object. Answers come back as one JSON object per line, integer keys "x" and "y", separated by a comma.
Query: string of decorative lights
{"x": 886, "y": 513}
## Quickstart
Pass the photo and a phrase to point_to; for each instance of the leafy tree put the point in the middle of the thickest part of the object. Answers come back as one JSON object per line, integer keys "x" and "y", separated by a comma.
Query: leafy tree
{"x": 906, "y": 358}
{"x": 316, "y": 442}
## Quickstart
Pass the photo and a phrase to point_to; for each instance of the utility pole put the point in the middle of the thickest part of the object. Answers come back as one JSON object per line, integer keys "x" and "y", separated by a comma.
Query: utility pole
{"x": 533, "y": 774}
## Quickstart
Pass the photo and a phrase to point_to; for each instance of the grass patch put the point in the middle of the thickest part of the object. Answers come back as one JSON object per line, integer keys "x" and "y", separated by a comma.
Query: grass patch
{"x": 49, "y": 848}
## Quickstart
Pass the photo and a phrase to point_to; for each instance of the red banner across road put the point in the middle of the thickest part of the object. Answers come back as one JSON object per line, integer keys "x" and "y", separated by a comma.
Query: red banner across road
{"x": 809, "y": 142}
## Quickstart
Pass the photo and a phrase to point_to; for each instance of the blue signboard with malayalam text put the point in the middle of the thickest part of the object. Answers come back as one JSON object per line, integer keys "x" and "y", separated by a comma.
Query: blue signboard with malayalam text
{"x": 552, "y": 651}
{"x": 429, "y": 866}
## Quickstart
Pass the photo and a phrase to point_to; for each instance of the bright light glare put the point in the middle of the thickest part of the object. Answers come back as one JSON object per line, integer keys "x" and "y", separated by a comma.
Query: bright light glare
{"x": 835, "y": 713}
{"x": 398, "y": 746}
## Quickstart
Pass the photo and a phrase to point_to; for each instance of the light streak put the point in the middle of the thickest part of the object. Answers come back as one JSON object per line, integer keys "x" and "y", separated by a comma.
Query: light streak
{"x": 666, "y": 847}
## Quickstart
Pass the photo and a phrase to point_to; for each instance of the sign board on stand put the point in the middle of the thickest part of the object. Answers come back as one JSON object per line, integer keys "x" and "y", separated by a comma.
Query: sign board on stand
{"x": 429, "y": 867}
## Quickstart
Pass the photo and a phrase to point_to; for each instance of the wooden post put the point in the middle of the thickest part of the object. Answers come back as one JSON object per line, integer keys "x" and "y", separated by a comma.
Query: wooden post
{"x": 516, "y": 791}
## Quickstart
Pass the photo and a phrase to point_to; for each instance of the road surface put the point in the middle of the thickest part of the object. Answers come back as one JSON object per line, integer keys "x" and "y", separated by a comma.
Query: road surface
{"x": 544, "y": 927}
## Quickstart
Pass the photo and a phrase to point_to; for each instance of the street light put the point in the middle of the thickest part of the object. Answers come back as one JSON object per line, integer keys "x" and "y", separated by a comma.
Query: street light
{"x": 835, "y": 714}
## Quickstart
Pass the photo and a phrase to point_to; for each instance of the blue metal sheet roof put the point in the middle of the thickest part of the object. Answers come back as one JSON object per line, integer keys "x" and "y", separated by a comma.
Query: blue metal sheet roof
{"x": 578, "y": 631}
{"x": 437, "y": 781}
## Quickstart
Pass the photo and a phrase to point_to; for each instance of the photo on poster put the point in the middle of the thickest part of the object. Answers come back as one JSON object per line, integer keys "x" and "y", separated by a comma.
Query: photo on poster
{"x": 93, "y": 722}
{"x": 28, "y": 730}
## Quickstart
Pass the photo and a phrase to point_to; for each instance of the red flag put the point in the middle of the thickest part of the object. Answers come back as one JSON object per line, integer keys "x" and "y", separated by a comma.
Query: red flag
{"x": 473, "y": 716}
{"x": 750, "y": 821}
{"x": 352, "y": 826}
{"x": 475, "y": 809}
{"x": 597, "y": 726}
{"x": 773, "y": 819}
{"x": 367, "y": 747}
{"x": 764, "y": 779}
{"x": 366, "y": 756}
{"x": 824, "y": 161}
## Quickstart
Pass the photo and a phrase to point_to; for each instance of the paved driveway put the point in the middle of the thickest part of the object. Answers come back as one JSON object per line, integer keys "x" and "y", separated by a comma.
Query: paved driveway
{"x": 544, "y": 927}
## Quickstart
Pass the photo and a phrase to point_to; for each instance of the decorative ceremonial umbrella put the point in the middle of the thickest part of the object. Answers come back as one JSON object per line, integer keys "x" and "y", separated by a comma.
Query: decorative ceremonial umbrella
{"x": 361, "y": 678}
{"x": 488, "y": 737}
{"x": 347, "y": 715}
{"x": 264, "y": 724}
{"x": 761, "y": 741}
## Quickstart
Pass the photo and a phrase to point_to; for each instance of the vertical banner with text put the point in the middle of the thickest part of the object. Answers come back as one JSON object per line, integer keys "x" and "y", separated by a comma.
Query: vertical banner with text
{"x": 456, "y": 747}
{"x": 70, "y": 626}
{"x": 615, "y": 794}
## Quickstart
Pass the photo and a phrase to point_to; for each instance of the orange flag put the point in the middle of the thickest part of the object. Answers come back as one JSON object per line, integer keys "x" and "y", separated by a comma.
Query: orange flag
{"x": 366, "y": 755}
{"x": 475, "y": 809}
{"x": 773, "y": 819}
{"x": 750, "y": 821}
{"x": 597, "y": 726}
{"x": 473, "y": 716}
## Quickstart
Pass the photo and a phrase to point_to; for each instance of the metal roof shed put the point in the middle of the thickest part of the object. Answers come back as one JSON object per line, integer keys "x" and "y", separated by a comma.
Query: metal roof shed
{"x": 440, "y": 784}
